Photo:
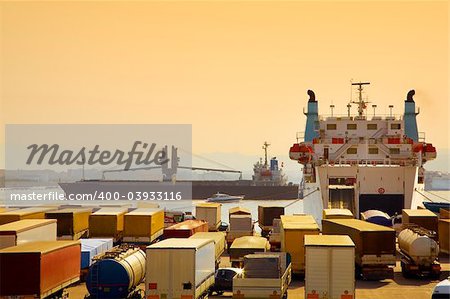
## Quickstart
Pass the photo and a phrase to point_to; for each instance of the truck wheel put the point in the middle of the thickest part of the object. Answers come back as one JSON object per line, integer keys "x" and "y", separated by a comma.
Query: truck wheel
{"x": 405, "y": 272}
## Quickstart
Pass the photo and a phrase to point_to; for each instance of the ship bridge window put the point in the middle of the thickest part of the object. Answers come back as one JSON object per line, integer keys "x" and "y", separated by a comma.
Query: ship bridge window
{"x": 331, "y": 126}
{"x": 372, "y": 126}
{"x": 395, "y": 126}
{"x": 351, "y": 126}
{"x": 352, "y": 151}
{"x": 373, "y": 150}
{"x": 394, "y": 151}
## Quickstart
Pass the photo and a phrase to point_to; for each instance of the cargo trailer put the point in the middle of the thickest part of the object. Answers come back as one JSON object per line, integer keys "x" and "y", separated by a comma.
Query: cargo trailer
{"x": 185, "y": 229}
{"x": 265, "y": 275}
{"x": 92, "y": 247}
{"x": 107, "y": 223}
{"x": 143, "y": 225}
{"x": 219, "y": 242}
{"x": 26, "y": 213}
{"x": 240, "y": 225}
{"x": 375, "y": 250}
{"x": 444, "y": 235}
{"x": 337, "y": 214}
{"x": 73, "y": 223}
{"x": 238, "y": 211}
{"x": 330, "y": 267}
{"x": 293, "y": 231}
{"x": 179, "y": 269}
{"x": 246, "y": 245}
{"x": 211, "y": 213}
{"x": 421, "y": 217}
{"x": 35, "y": 268}
{"x": 266, "y": 215}
{"x": 22, "y": 231}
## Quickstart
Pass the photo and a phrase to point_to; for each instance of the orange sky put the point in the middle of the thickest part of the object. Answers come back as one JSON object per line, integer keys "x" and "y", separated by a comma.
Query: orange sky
{"x": 237, "y": 71}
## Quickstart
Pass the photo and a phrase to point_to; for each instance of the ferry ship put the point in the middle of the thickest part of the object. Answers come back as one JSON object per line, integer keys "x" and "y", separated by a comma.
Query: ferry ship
{"x": 361, "y": 162}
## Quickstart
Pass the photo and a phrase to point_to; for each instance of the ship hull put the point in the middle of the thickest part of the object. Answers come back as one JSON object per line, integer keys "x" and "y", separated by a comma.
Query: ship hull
{"x": 362, "y": 187}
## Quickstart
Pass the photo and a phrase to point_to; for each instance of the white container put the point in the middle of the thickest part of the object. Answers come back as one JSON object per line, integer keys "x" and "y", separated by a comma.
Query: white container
{"x": 421, "y": 249}
{"x": 217, "y": 237}
{"x": 180, "y": 267}
{"x": 330, "y": 266}
{"x": 209, "y": 212}
{"x": 22, "y": 231}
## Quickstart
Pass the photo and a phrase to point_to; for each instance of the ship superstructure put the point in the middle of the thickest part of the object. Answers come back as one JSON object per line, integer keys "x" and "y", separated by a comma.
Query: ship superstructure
{"x": 361, "y": 162}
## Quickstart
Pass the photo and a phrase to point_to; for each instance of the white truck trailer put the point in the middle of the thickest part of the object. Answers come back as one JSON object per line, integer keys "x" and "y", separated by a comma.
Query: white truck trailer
{"x": 180, "y": 269}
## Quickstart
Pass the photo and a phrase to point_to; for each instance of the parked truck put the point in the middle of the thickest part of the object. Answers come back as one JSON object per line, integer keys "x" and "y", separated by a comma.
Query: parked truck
{"x": 246, "y": 245}
{"x": 211, "y": 213}
{"x": 240, "y": 225}
{"x": 23, "y": 231}
{"x": 330, "y": 267}
{"x": 180, "y": 268}
{"x": 265, "y": 275}
{"x": 418, "y": 252}
{"x": 374, "y": 246}
{"x": 143, "y": 225}
{"x": 219, "y": 242}
{"x": 293, "y": 231}
{"x": 266, "y": 215}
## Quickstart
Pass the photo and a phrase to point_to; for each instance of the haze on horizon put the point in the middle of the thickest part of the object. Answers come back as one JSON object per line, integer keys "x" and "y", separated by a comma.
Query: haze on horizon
{"x": 237, "y": 71}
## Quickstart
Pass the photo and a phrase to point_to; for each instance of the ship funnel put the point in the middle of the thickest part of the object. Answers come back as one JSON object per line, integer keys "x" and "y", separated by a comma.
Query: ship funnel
{"x": 410, "y": 117}
{"x": 312, "y": 117}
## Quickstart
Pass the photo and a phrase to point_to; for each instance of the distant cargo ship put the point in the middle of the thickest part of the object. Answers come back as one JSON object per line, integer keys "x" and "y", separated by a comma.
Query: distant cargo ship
{"x": 268, "y": 182}
{"x": 361, "y": 162}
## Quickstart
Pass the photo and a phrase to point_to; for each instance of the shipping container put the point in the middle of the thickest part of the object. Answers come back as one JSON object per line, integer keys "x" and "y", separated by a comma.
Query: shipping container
{"x": 337, "y": 214}
{"x": 218, "y": 238}
{"x": 266, "y": 215}
{"x": 180, "y": 269}
{"x": 185, "y": 229}
{"x": 73, "y": 223}
{"x": 116, "y": 273}
{"x": 26, "y": 213}
{"x": 22, "y": 231}
{"x": 444, "y": 235}
{"x": 143, "y": 225}
{"x": 238, "y": 211}
{"x": 246, "y": 245}
{"x": 107, "y": 222}
{"x": 293, "y": 231}
{"x": 39, "y": 269}
{"x": 209, "y": 212}
{"x": 374, "y": 245}
{"x": 423, "y": 218}
{"x": 92, "y": 247}
{"x": 241, "y": 223}
{"x": 330, "y": 267}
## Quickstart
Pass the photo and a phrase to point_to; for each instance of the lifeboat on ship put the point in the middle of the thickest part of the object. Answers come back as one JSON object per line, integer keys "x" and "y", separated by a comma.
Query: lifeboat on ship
{"x": 301, "y": 152}
{"x": 427, "y": 149}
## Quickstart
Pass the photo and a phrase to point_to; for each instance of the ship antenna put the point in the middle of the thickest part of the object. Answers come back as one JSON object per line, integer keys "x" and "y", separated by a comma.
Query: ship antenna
{"x": 265, "y": 146}
{"x": 361, "y": 103}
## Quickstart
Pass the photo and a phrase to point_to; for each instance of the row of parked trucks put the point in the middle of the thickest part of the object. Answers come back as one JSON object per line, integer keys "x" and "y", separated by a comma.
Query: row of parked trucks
{"x": 185, "y": 264}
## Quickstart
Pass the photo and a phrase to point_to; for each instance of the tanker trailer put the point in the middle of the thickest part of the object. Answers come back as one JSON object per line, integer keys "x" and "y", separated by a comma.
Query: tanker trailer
{"x": 116, "y": 273}
{"x": 419, "y": 253}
